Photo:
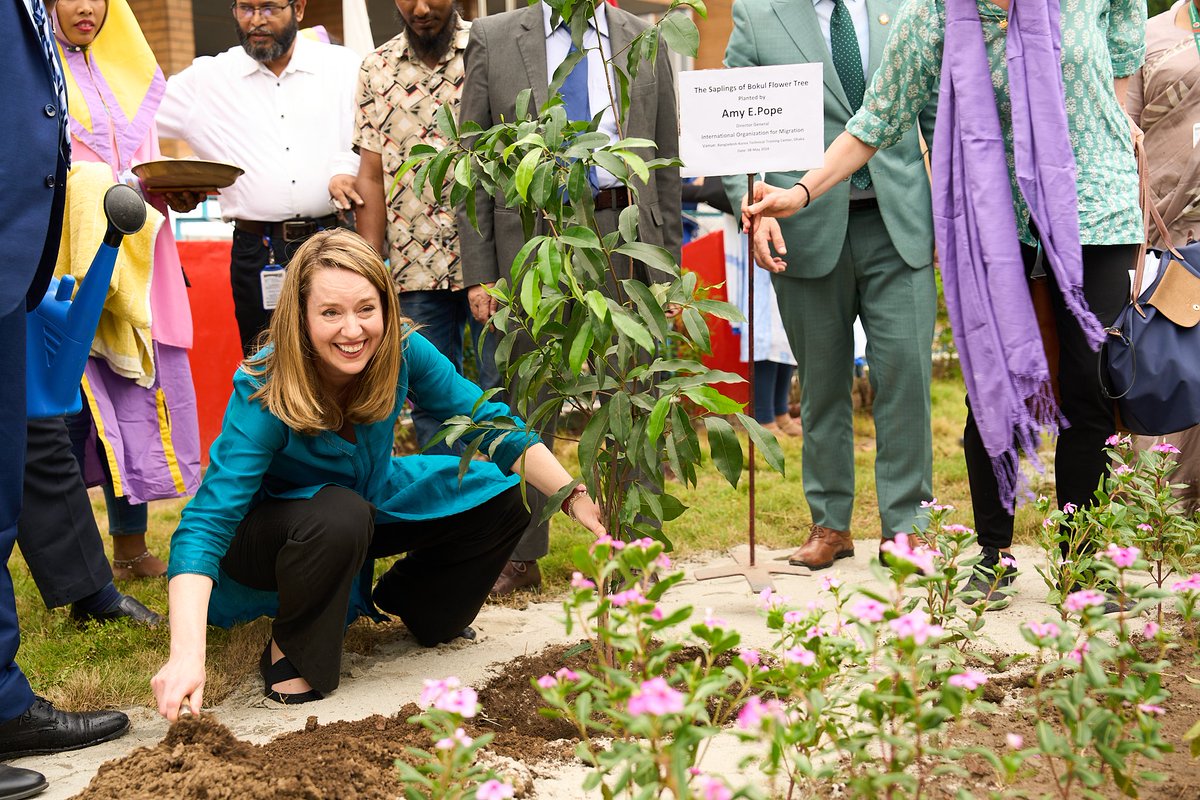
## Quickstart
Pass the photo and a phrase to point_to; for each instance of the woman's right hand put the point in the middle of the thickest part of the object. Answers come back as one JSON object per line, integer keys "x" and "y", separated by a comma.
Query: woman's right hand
{"x": 180, "y": 679}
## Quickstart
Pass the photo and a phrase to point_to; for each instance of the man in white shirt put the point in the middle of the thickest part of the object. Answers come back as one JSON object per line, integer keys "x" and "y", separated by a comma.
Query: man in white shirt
{"x": 281, "y": 107}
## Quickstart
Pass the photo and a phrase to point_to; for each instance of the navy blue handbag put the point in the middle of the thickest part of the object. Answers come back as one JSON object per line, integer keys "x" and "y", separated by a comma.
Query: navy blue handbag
{"x": 1150, "y": 361}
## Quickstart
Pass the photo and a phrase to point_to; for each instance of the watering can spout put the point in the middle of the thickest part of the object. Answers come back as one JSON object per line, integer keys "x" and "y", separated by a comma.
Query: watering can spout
{"x": 59, "y": 331}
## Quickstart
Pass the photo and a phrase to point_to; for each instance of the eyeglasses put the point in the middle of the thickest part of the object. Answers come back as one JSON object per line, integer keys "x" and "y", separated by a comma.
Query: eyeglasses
{"x": 269, "y": 11}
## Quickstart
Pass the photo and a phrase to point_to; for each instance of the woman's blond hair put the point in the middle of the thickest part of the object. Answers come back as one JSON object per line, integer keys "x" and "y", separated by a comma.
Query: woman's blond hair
{"x": 287, "y": 366}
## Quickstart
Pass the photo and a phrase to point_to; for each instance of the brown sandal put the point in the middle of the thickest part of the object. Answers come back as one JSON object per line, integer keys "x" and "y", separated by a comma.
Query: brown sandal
{"x": 146, "y": 565}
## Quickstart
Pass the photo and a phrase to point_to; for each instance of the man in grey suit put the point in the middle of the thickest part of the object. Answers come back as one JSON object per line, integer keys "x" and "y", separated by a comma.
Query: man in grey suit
{"x": 864, "y": 249}
{"x": 496, "y": 72}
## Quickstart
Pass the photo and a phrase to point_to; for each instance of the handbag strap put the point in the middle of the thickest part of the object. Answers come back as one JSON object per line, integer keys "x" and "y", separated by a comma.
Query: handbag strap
{"x": 1149, "y": 212}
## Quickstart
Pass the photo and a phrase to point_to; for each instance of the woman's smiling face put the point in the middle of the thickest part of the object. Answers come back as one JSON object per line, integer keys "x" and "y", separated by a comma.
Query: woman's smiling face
{"x": 345, "y": 324}
{"x": 80, "y": 20}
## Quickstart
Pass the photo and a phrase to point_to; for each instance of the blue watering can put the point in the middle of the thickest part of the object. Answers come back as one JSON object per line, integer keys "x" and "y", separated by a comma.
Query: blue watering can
{"x": 59, "y": 331}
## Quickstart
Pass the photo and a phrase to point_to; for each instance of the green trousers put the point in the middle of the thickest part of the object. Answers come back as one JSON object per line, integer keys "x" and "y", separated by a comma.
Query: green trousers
{"x": 897, "y": 305}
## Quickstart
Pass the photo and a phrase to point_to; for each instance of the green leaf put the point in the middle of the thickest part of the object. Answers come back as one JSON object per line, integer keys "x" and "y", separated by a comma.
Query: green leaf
{"x": 766, "y": 443}
{"x": 598, "y": 304}
{"x": 525, "y": 172}
{"x": 649, "y": 309}
{"x": 672, "y": 507}
{"x": 580, "y": 236}
{"x": 531, "y": 292}
{"x": 658, "y": 418}
{"x": 613, "y": 163}
{"x": 697, "y": 328}
{"x": 636, "y": 164}
{"x": 581, "y": 345}
{"x": 725, "y": 448}
{"x": 651, "y": 255}
{"x": 445, "y": 121}
{"x": 592, "y": 438}
{"x": 627, "y": 223}
{"x": 523, "y": 103}
{"x": 711, "y": 399}
{"x": 620, "y": 416}
{"x": 437, "y": 172}
{"x": 631, "y": 327}
{"x": 680, "y": 34}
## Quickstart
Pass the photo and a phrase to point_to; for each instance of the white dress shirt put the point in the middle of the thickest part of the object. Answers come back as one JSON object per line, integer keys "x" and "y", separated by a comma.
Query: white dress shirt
{"x": 558, "y": 45}
{"x": 862, "y": 26}
{"x": 290, "y": 133}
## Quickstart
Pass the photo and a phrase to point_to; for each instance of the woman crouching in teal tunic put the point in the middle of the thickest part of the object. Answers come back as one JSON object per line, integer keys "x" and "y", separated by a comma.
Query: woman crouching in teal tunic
{"x": 302, "y": 491}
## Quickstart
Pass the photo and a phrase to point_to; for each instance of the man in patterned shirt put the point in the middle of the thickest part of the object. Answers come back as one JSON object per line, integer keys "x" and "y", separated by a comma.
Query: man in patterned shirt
{"x": 400, "y": 88}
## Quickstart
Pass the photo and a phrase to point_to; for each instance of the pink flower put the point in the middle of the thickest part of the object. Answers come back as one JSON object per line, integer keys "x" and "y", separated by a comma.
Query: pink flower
{"x": 565, "y": 674}
{"x": 749, "y": 656}
{"x": 580, "y": 582}
{"x": 933, "y": 505}
{"x": 920, "y": 556}
{"x": 655, "y": 697}
{"x": 867, "y": 610}
{"x": 1048, "y": 523}
{"x": 663, "y": 561}
{"x": 768, "y": 599}
{"x": 915, "y": 625}
{"x": 1079, "y": 652}
{"x": 1113, "y": 440}
{"x": 644, "y": 543}
{"x": 1144, "y": 527}
{"x": 1015, "y": 741}
{"x": 1084, "y": 598}
{"x": 493, "y": 790}
{"x": 755, "y": 711}
{"x": 1151, "y": 630}
{"x": 622, "y": 599}
{"x": 459, "y": 739}
{"x": 793, "y": 617}
{"x": 656, "y": 614}
{"x": 1189, "y": 584}
{"x": 1070, "y": 508}
{"x": 800, "y": 655}
{"x": 1043, "y": 630}
{"x": 1122, "y": 557}
{"x": 604, "y": 538}
{"x": 449, "y": 695}
{"x": 1153, "y": 710}
{"x": 956, "y": 528}
{"x": 547, "y": 682}
{"x": 713, "y": 622}
{"x": 1165, "y": 447}
{"x": 815, "y": 632}
{"x": 711, "y": 788}
{"x": 830, "y": 583}
{"x": 1123, "y": 469}
{"x": 969, "y": 681}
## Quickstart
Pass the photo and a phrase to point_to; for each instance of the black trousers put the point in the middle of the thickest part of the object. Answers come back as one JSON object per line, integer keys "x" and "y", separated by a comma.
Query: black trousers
{"x": 310, "y": 550}
{"x": 57, "y": 530}
{"x": 246, "y": 261}
{"x": 1079, "y": 457}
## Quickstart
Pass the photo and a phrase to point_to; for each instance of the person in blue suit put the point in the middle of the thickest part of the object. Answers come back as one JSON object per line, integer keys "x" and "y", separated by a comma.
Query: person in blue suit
{"x": 33, "y": 173}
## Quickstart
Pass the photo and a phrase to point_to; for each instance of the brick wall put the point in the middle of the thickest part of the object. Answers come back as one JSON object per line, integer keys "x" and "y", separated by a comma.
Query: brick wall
{"x": 714, "y": 34}
{"x": 168, "y": 27}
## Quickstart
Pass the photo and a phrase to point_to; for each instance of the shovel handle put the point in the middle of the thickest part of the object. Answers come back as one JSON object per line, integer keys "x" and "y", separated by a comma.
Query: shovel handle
{"x": 185, "y": 708}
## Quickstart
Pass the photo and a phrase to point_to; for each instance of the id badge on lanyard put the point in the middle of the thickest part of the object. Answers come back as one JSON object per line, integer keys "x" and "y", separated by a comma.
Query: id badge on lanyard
{"x": 271, "y": 278}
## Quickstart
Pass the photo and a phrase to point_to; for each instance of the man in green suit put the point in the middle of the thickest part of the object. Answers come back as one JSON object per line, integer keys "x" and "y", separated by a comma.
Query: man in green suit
{"x": 863, "y": 249}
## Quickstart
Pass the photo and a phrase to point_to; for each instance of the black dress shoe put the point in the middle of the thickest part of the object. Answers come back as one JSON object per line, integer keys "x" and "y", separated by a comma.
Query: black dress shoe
{"x": 44, "y": 729}
{"x": 128, "y": 607}
{"x": 17, "y": 783}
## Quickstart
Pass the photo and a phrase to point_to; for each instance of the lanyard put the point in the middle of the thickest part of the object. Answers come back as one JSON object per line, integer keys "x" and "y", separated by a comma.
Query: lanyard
{"x": 1195, "y": 15}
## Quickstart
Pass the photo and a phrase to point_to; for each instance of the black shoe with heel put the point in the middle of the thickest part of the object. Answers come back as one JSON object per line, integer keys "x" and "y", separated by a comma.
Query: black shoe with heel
{"x": 282, "y": 670}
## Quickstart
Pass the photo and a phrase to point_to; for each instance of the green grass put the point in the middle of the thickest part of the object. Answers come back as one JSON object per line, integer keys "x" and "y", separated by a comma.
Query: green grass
{"x": 111, "y": 665}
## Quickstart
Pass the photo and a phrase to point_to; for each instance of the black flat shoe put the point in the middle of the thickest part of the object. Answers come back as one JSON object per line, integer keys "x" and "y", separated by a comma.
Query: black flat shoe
{"x": 282, "y": 670}
{"x": 44, "y": 729}
{"x": 17, "y": 783}
{"x": 128, "y": 607}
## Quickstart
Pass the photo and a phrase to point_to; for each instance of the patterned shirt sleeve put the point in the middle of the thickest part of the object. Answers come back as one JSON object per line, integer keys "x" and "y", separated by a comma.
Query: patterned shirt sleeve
{"x": 907, "y": 75}
{"x": 366, "y": 133}
{"x": 1126, "y": 36}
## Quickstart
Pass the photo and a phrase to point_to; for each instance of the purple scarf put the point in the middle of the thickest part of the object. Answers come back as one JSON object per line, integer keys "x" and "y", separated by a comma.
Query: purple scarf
{"x": 975, "y": 226}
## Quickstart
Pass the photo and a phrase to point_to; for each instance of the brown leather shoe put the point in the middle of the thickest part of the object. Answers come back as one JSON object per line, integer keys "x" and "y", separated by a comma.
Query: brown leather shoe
{"x": 824, "y": 546}
{"x": 517, "y": 575}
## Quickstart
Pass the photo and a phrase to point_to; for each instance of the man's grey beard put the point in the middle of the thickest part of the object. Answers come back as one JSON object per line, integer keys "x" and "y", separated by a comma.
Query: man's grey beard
{"x": 431, "y": 48}
{"x": 280, "y": 43}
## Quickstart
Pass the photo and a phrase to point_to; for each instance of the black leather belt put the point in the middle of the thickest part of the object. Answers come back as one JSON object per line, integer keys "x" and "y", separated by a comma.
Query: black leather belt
{"x": 289, "y": 230}
{"x": 612, "y": 198}
{"x": 863, "y": 204}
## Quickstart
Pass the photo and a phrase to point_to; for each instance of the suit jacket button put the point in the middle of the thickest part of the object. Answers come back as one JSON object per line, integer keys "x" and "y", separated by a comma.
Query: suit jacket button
{"x": 49, "y": 181}
{"x": 51, "y": 110}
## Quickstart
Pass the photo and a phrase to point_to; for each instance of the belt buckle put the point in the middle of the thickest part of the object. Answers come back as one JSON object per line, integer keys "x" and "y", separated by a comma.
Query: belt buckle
{"x": 298, "y": 229}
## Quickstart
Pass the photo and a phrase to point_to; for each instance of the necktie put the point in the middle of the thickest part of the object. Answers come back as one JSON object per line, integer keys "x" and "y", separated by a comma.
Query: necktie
{"x": 575, "y": 99}
{"x": 46, "y": 35}
{"x": 847, "y": 60}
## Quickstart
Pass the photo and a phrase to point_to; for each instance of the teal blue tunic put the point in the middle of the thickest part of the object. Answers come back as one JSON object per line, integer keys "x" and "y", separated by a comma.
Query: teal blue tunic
{"x": 258, "y": 456}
